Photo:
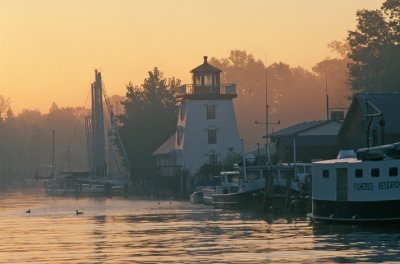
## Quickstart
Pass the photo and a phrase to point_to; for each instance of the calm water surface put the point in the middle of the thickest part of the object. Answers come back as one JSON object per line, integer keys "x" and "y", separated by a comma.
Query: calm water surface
{"x": 135, "y": 231}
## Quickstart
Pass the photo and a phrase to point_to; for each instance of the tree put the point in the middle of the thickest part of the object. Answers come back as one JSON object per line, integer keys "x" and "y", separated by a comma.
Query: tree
{"x": 334, "y": 73}
{"x": 289, "y": 93}
{"x": 375, "y": 49}
{"x": 4, "y": 106}
{"x": 149, "y": 117}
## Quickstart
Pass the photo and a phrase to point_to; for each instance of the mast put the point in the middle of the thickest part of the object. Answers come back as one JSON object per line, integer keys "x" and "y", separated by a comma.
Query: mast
{"x": 326, "y": 93}
{"x": 97, "y": 131}
{"x": 53, "y": 164}
{"x": 266, "y": 112}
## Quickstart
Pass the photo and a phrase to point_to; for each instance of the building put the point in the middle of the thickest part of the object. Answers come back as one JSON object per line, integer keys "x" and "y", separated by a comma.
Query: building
{"x": 372, "y": 120}
{"x": 314, "y": 140}
{"x": 206, "y": 129}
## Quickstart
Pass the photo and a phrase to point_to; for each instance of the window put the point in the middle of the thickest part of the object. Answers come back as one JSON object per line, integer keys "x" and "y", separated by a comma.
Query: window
{"x": 182, "y": 112}
{"x": 210, "y": 111}
{"x": 325, "y": 173}
{"x": 212, "y": 136}
{"x": 358, "y": 173}
{"x": 180, "y": 135}
{"x": 213, "y": 158}
{"x": 393, "y": 171}
{"x": 208, "y": 79}
{"x": 375, "y": 172}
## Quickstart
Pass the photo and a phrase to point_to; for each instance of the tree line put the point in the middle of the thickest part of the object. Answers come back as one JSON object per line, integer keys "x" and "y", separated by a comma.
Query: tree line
{"x": 367, "y": 61}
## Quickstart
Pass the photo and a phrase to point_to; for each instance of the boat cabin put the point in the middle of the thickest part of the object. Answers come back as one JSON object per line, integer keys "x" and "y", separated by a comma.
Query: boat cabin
{"x": 364, "y": 188}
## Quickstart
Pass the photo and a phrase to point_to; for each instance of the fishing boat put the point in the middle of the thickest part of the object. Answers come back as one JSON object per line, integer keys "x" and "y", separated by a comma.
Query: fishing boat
{"x": 252, "y": 183}
{"x": 358, "y": 187}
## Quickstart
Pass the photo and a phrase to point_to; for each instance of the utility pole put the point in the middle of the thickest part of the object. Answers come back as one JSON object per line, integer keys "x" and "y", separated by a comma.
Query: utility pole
{"x": 326, "y": 92}
{"x": 268, "y": 156}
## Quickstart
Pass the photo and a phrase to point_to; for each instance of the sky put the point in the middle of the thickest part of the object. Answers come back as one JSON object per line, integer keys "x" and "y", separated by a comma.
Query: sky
{"x": 49, "y": 49}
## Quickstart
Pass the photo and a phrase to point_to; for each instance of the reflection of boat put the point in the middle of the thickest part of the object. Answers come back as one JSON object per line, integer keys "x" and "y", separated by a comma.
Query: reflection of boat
{"x": 99, "y": 179}
{"x": 365, "y": 188}
{"x": 249, "y": 187}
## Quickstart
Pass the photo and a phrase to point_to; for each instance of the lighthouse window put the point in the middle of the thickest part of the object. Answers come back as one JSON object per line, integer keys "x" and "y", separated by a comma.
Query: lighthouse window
{"x": 210, "y": 111}
{"x": 393, "y": 171}
{"x": 212, "y": 136}
{"x": 182, "y": 112}
{"x": 358, "y": 173}
{"x": 375, "y": 172}
{"x": 325, "y": 173}
{"x": 212, "y": 158}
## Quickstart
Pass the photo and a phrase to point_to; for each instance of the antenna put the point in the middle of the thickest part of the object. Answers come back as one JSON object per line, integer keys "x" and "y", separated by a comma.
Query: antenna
{"x": 326, "y": 91}
{"x": 266, "y": 100}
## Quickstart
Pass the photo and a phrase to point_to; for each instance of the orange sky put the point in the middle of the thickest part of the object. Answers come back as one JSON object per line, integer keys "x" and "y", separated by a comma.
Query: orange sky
{"x": 49, "y": 48}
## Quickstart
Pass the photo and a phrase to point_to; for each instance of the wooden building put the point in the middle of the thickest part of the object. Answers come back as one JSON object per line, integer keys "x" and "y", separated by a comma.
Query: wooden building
{"x": 371, "y": 120}
{"x": 314, "y": 140}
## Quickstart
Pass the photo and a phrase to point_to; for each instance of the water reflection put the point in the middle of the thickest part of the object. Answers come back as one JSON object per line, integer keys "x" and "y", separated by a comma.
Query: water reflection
{"x": 122, "y": 231}
{"x": 360, "y": 243}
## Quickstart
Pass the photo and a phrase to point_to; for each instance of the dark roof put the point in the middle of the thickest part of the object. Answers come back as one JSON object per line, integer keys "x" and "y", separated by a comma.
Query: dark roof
{"x": 205, "y": 68}
{"x": 298, "y": 128}
{"x": 166, "y": 147}
{"x": 387, "y": 103}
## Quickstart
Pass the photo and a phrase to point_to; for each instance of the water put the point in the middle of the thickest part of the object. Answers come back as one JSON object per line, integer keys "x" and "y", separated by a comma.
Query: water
{"x": 136, "y": 231}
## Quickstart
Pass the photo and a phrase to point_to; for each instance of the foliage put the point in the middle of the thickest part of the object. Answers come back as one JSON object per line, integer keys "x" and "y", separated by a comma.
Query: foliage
{"x": 375, "y": 49}
{"x": 205, "y": 175}
{"x": 26, "y": 141}
{"x": 4, "y": 107}
{"x": 289, "y": 92}
{"x": 149, "y": 117}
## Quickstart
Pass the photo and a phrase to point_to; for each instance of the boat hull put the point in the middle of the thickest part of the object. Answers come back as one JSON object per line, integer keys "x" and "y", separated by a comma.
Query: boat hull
{"x": 239, "y": 200}
{"x": 355, "y": 211}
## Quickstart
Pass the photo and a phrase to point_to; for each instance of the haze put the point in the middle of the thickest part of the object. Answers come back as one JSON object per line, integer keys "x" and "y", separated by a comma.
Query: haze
{"x": 49, "y": 49}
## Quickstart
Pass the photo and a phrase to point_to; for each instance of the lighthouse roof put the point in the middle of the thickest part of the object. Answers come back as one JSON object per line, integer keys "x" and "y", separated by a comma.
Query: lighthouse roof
{"x": 205, "y": 68}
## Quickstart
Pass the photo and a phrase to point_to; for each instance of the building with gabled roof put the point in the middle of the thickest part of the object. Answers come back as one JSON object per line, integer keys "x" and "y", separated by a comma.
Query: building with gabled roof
{"x": 313, "y": 140}
{"x": 371, "y": 120}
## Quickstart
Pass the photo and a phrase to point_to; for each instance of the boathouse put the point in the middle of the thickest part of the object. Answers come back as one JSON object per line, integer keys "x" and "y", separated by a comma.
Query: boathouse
{"x": 313, "y": 140}
{"x": 372, "y": 120}
{"x": 206, "y": 130}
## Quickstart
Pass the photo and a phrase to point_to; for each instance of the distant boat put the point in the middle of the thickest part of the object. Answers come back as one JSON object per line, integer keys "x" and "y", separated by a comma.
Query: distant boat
{"x": 358, "y": 188}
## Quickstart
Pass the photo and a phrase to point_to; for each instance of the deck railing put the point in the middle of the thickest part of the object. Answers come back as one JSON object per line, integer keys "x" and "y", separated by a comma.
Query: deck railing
{"x": 215, "y": 89}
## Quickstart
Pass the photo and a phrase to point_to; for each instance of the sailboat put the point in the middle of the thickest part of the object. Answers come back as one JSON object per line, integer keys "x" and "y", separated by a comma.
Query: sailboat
{"x": 99, "y": 180}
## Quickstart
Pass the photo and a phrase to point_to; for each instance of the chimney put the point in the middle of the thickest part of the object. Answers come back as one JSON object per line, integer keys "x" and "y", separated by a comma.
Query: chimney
{"x": 205, "y": 59}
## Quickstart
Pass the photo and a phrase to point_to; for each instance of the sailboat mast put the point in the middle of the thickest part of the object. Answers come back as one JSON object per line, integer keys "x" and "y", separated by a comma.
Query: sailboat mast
{"x": 98, "y": 134}
{"x": 52, "y": 155}
{"x": 266, "y": 113}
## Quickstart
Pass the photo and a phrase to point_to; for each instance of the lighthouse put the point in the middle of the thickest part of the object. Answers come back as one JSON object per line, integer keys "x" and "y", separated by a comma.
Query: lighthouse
{"x": 206, "y": 129}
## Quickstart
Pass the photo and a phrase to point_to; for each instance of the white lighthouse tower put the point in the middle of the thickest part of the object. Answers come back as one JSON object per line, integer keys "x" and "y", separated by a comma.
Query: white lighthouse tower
{"x": 206, "y": 128}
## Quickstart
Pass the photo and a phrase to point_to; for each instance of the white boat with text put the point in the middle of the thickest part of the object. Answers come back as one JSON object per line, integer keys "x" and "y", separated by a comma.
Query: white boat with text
{"x": 358, "y": 188}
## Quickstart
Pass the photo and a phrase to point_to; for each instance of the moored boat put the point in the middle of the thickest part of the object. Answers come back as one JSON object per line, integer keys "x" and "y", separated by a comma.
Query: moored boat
{"x": 358, "y": 188}
{"x": 251, "y": 186}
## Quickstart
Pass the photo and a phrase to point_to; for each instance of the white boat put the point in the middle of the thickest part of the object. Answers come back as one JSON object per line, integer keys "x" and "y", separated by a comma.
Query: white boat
{"x": 228, "y": 182}
{"x": 358, "y": 188}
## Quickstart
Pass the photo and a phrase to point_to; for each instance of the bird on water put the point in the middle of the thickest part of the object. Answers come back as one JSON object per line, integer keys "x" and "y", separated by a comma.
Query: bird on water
{"x": 78, "y": 212}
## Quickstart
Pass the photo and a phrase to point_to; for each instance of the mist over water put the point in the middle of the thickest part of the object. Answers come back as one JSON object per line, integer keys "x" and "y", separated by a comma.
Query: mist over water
{"x": 128, "y": 231}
